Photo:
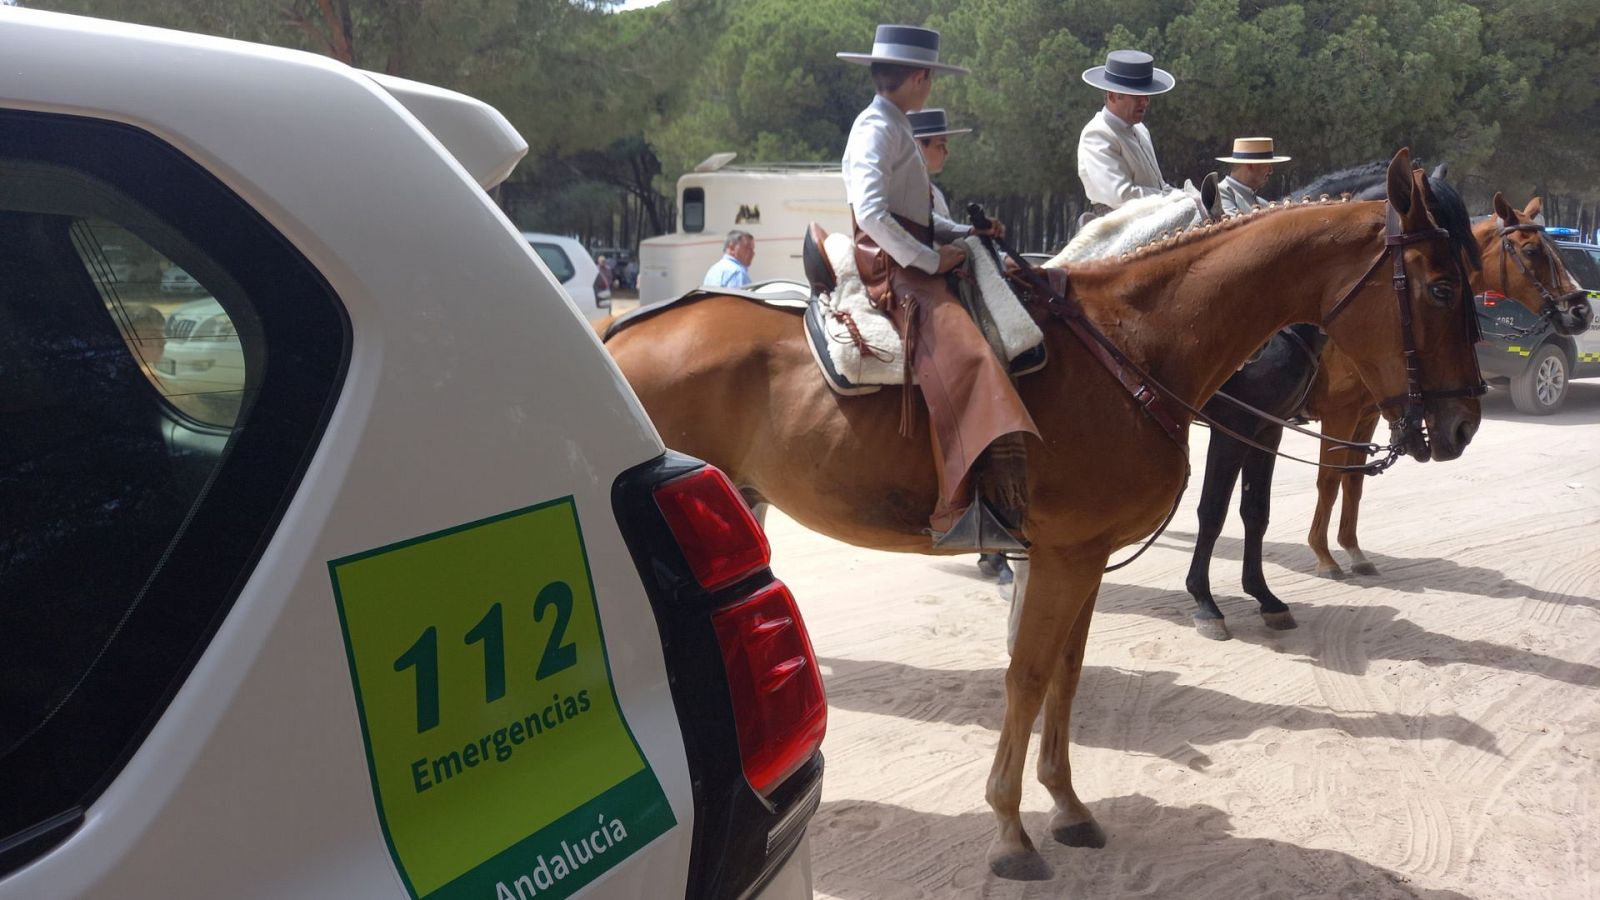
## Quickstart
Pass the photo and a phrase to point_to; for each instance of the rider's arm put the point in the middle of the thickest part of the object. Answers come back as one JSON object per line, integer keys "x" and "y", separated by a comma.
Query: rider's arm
{"x": 947, "y": 230}
{"x": 866, "y": 185}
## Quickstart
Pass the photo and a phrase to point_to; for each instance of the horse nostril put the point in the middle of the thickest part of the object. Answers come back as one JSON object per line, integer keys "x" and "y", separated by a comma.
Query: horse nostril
{"x": 1464, "y": 432}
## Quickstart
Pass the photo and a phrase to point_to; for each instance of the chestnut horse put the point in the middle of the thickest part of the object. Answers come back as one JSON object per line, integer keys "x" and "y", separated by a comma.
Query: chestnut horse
{"x": 1518, "y": 262}
{"x": 1283, "y": 381}
{"x": 733, "y": 383}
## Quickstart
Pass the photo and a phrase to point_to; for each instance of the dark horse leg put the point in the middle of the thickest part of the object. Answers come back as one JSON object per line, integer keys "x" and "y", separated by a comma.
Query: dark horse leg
{"x": 1255, "y": 507}
{"x": 1224, "y": 457}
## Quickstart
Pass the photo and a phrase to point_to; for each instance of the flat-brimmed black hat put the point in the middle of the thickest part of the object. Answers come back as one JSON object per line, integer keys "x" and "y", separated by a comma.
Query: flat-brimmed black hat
{"x": 1130, "y": 72}
{"x": 930, "y": 123}
{"x": 904, "y": 45}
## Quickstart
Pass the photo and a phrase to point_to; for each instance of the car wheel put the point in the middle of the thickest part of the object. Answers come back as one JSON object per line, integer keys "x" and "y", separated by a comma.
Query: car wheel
{"x": 1542, "y": 387}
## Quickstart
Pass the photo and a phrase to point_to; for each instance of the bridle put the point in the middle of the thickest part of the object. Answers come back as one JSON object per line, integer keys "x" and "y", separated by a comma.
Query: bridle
{"x": 1549, "y": 304}
{"x": 1411, "y": 403}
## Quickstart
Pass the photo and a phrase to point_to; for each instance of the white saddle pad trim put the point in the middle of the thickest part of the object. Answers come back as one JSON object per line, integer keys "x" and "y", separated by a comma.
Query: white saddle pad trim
{"x": 1018, "y": 332}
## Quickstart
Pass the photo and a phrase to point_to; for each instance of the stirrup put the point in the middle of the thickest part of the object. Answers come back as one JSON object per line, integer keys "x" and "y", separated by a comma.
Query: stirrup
{"x": 978, "y": 530}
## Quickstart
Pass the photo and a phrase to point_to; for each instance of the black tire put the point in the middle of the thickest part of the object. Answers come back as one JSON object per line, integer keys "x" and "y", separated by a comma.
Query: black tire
{"x": 1542, "y": 387}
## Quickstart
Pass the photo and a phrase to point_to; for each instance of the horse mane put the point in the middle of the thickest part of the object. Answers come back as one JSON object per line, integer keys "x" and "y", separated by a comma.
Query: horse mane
{"x": 1206, "y": 229}
{"x": 1451, "y": 214}
{"x": 1129, "y": 226}
{"x": 1355, "y": 181}
{"x": 1368, "y": 181}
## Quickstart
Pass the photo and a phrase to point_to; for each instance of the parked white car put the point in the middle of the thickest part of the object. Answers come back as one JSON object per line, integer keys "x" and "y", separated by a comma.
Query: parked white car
{"x": 575, "y": 269}
{"x": 416, "y": 604}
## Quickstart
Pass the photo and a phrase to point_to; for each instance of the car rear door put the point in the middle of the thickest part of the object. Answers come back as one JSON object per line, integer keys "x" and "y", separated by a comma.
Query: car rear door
{"x": 295, "y": 622}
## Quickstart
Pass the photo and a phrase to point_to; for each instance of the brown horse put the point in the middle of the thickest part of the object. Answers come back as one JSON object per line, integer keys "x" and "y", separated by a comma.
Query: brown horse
{"x": 1347, "y": 408}
{"x": 733, "y": 383}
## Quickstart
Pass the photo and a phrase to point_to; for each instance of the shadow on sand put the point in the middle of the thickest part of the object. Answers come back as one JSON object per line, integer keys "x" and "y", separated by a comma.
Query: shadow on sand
{"x": 1407, "y": 575}
{"x": 866, "y": 850}
{"x": 1120, "y": 709}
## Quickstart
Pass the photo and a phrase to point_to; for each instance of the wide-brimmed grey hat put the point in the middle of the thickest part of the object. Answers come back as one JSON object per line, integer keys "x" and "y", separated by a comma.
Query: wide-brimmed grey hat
{"x": 1253, "y": 150}
{"x": 904, "y": 45}
{"x": 931, "y": 123}
{"x": 1130, "y": 72}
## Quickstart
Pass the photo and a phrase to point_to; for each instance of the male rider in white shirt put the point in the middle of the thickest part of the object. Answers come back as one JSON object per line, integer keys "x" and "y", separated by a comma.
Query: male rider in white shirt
{"x": 1251, "y": 166}
{"x": 971, "y": 401}
{"x": 1116, "y": 160}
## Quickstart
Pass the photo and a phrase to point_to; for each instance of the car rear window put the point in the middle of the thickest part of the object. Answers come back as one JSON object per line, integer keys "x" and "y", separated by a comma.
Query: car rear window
{"x": 556, "y": 259}
{"x": 1583, "y": 264}
{"x": 167, "y": 362}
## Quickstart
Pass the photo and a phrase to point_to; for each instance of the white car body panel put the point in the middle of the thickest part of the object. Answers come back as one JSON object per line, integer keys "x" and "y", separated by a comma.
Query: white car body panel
{"x": 254, "y": 782}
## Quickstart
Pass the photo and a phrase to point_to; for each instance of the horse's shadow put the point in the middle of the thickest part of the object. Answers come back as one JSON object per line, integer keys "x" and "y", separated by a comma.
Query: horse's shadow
{"x": 1119, "y": 709}
{"x": 1154, "y": 850}
{"x": 1407, "y": 575}
{"x": 1365, "y": 632}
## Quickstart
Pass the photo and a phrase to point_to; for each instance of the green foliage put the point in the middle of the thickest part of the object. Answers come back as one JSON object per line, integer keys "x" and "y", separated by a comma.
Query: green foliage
{"x": 617, "y": 105}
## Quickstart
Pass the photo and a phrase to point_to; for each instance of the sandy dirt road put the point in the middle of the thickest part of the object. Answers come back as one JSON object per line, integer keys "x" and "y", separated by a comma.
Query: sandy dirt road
{"x": 1433, "y": 731}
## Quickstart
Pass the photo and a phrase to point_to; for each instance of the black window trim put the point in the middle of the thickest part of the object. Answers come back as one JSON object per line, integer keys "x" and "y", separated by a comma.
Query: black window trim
{"x": 259, "y": 470}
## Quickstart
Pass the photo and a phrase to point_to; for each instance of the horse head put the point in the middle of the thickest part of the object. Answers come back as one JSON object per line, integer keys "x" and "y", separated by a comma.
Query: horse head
{"x": 1432, "y": 408}
{"x": 1529, "y": 267}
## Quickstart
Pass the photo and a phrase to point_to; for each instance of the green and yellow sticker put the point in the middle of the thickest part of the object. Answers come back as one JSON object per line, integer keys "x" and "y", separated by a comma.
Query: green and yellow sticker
{"x": 501, "y": 763}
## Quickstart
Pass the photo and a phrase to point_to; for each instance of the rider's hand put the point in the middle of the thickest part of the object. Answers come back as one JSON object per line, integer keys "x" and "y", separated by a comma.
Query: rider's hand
{"x": 950, "y": 256}
{"x": 996, "y": 230}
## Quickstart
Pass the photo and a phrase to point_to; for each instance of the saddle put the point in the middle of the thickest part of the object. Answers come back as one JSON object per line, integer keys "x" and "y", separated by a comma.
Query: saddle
{"x": 857, "y": 347}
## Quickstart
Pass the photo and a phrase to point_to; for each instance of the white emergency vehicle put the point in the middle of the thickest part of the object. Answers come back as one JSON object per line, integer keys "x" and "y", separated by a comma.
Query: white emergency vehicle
{"x": 774, "y": 203}
{"x": 356, "y": 570}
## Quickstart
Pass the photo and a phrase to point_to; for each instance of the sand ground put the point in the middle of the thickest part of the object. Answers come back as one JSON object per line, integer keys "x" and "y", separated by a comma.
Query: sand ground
{"x": 1432, "y": 731}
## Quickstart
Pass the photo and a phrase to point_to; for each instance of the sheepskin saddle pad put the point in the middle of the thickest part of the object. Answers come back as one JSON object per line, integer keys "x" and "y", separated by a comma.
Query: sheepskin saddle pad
{"x": 859, "y": 350}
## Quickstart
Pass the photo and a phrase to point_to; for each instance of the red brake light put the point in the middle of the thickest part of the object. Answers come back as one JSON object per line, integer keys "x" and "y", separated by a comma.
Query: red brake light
{"x": 779, "y": 705}
{"x": 1490, "y": 298}
{"x": 714, "y": 527}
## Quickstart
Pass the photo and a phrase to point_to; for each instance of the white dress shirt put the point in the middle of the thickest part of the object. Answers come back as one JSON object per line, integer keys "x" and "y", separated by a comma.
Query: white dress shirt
{"x": 1117, "y": 162}
{"x": 945, "y": 228}
{"x": 884, "y": 176}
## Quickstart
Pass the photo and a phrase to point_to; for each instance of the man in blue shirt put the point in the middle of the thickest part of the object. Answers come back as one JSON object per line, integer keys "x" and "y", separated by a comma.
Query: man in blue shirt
{"x": 733, "y": 269}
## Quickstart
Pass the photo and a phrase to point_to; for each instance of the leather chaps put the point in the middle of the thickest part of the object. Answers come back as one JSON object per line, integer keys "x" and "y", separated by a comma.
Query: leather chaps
{"x": 971, "y": 400}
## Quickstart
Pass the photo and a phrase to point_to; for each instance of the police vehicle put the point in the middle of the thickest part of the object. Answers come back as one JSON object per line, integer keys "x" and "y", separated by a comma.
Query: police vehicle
{"x": 1522, "y": 353}
{"x": 355, "y": 570}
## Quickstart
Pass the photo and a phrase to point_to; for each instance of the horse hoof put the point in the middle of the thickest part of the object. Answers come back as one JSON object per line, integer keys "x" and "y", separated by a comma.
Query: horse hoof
{"x": 1279, "y": 621}
{"x": 1364, "y": 568}
{"x": 1082, "y": 834}
{"x": 1005, "y": 577}
{"x": 1025, "y": 865}
{"x": 1333, "y": 572}
{"x": 1215, "y": 629}
{"x": 987, "y": 567}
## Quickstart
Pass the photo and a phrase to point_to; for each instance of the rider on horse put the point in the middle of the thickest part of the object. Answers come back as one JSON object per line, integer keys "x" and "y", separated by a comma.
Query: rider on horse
{"x": 971, "y": 401}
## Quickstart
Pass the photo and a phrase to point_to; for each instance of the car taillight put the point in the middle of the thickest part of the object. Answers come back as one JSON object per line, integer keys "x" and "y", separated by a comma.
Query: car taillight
{"x": 1490, "y": 298}
{"x": 779, "y": 706}
{"x": 714, "y": 527}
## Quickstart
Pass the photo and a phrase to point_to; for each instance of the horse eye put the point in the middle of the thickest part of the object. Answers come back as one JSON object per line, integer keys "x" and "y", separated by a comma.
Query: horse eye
{"x": 1532, "y": 251}
{"x": 1442, "y": 291}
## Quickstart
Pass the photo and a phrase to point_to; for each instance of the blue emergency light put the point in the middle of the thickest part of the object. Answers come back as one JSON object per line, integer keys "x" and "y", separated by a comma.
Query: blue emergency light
{"x": 1561, "y": 231}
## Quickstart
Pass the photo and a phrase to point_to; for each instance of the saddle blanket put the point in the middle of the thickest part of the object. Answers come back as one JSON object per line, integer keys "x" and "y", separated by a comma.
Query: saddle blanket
{"x": 854, "y": 367}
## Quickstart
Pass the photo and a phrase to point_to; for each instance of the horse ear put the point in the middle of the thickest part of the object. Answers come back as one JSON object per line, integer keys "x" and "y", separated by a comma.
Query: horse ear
{"x": 1508, "y": 216}
{"x": 1209, "y": 198}
{"x": 1399, "y": 181}
{"x": 1532, "y": 209}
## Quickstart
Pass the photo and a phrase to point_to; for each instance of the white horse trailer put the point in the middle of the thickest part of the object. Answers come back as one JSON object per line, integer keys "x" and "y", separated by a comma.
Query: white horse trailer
{"x": 772, "y": 202}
